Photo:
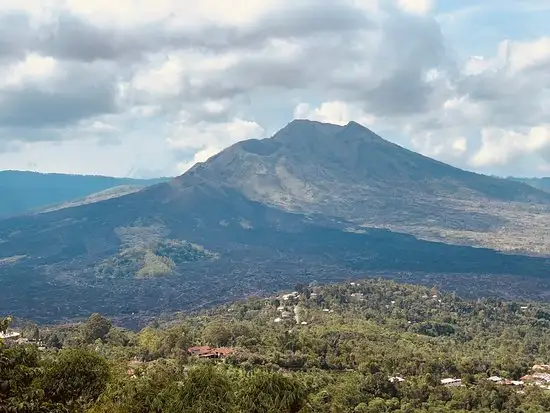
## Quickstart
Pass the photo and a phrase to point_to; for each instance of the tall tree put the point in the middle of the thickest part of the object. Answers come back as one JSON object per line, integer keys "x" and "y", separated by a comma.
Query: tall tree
{"x": 271, "y": 392}
{"x": 96, "y": 327}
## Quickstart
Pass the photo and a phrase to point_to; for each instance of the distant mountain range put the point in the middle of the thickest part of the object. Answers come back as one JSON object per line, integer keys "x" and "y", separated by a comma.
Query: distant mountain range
{"x": 25, "y": 192}
{"x": 540, "y": 183}
{"x": 314, "y": 202}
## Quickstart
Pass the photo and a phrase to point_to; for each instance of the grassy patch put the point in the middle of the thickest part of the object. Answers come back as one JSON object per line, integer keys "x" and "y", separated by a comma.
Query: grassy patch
{"x": 153, "y": 260}
{"x": 155, "y": 266}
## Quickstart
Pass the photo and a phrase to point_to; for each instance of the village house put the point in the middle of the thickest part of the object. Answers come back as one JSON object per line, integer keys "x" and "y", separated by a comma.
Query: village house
{"x": 223, "y": 351}
{"x": 536, "y": 378}
{"x": 513, "y": 383}
{"x": 10, "y": 335}
{"x": 505, "y": 382}
{"x": 451, "y": 382}
{"x": 210, "y": 352}
{"x": 198, "y": 350}
{"x": 541, "y": 367}
{"x": 290, "y": 296}
{"x": 396, "y": 379}
{"x": 496, "y": 379}
{"x": 540, "y": 377}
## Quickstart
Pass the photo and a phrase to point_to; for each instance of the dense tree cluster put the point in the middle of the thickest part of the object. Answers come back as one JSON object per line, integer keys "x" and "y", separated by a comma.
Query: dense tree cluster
{"x": 325, "y": 349}
{"x": 70, "y": 381}
{"x": 158, "y": 259}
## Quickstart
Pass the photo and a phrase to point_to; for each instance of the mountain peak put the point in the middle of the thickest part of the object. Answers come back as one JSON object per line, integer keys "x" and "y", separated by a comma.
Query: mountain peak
{"x": 300, "y": 121}
{"x": 301, "y": 127}
{"x": 306, "y": 131}
{"x": 353, "y": 124}
{"x": 307, "y": 123}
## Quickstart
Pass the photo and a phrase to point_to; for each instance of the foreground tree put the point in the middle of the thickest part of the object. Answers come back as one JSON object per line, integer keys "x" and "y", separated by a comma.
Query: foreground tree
{"x": 271, "y": 392}
{"x": 74, "y": 377}
{"x": 204, "y": 390}
{"x": 217, "y": 334}
{"x": 96, "y": 327}
{"x": 31, "y": 331}
{"x": 19, "y": 370}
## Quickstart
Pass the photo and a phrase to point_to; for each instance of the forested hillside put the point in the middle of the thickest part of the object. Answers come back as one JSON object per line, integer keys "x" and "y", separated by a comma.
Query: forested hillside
{"x": 22, "y": 192}
{"x": 368, "y": 346}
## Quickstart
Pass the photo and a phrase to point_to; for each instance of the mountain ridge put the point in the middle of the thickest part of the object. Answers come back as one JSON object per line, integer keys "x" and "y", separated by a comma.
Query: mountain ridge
{"x": 26, "y": 192}
{"x": 542, "y": 184}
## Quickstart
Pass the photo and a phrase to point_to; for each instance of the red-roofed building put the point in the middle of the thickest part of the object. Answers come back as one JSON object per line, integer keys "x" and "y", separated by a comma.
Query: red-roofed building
{"x": 223, "y": 351}
{"x": 210, "y": 352}
{"x": 199, "y": 350}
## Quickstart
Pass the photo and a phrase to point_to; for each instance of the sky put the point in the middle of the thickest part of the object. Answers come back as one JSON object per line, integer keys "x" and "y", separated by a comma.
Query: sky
{"x": 147, "y": 88}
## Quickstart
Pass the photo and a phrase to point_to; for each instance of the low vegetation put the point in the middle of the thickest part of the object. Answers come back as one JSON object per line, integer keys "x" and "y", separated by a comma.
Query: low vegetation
{"x": 368, "y": 346}
{"x": 152, "y": 260}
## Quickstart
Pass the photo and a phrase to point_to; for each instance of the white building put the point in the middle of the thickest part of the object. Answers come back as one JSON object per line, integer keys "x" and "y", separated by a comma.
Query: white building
{"x": 397, "y": 379}
{"x": 11, "y": 335}
{"x": 451, "y": 382}
{"x": 495, "y": 379}
{"x": 292, "y": 295}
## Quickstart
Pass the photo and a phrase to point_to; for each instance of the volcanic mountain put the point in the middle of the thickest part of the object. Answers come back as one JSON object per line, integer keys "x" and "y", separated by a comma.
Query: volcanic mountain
{"x": 314, "y": 202}
{"x": 350, "y": 173}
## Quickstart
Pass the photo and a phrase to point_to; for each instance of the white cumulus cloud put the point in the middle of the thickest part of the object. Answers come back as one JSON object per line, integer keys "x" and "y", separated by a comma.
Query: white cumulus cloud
{"x": 168, "y": 83}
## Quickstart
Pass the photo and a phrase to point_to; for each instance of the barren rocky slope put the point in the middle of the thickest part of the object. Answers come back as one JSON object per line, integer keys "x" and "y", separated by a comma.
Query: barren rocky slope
{"x": 349, "y": 172}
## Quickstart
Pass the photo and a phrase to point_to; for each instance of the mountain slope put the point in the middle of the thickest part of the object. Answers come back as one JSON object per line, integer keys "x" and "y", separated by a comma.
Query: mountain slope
{"x": 351, "y": 173}
{"x": 263, "y": 215}
{"x": 24, "y": 192}
{"x": 83, "y": 253}
{"x": 114, "y": 192}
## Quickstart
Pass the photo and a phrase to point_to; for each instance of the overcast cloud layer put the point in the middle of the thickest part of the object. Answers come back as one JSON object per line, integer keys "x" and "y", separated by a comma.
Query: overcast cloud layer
{"x": 148, "y": 87}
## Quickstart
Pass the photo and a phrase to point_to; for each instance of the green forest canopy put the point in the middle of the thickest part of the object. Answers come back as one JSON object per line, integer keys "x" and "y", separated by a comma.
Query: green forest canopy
{"x": 334, "y": 351}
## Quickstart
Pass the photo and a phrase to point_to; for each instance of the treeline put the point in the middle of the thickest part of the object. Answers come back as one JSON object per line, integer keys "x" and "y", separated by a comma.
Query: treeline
{"x": 333, "y": 349}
